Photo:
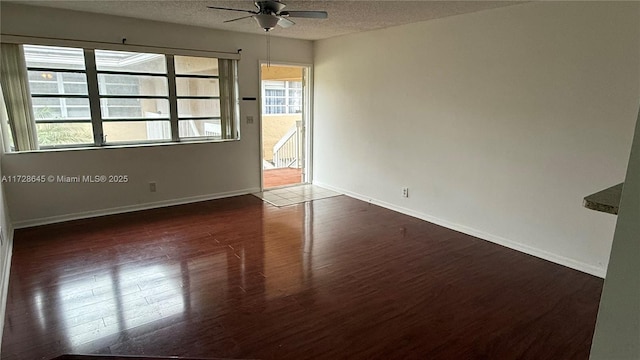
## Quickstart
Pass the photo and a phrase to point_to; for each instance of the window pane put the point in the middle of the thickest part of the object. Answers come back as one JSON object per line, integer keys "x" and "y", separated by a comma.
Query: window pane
{"x": 275, "y": 101}
{"x": 199, "y": 128}
{"x": 107, "y": 60}
{"x": 193, "y": 108}
{"x": 47, "y": 112}
{"x": 53, "y": 57}
{"x": 133, "y": 85}
{"x": 64, "y": 134}
{"x": 275, "y": 92}
{"x": 273, "y": 84}
{"x": 50, "y": 82}
{"x": 275, "y": 109}
{"x": 295, "y": 101}
{"x": 76, "y": 89}
{"x": 119, "y": 108}
{"x": 43, "y": 82}
{"x": 78, "y": 112}
{"x": 197, "y": 87}
{"x": 43, "y": 87}
{"x": 136, "y": 131}
{"x": 60, "y": 108}
{"x": 41, "y": 101}
{"x": 74, "y": 78}
{"x": 77, "y": 102}
{"x": 190, "y": 65}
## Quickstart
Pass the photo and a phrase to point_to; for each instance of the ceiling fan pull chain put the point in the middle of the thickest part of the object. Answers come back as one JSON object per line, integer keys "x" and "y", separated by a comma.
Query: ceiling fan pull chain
{"x": 268, "y": 49}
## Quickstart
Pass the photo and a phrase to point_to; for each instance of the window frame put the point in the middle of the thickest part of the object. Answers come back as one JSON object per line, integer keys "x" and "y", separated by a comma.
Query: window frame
{"x": 94, "y": 95}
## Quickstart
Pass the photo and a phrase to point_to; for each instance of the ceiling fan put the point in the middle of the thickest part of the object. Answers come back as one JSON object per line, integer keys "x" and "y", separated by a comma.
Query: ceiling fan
{"x": 271, "y": 13}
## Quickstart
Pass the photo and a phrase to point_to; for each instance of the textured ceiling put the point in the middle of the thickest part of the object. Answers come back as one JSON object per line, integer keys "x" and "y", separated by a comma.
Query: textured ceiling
{"x": 344, "y": 16}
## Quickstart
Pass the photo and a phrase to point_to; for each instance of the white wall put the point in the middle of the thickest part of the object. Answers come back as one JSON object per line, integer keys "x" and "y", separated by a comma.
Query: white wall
{"x": 182, "y": 173}
{"x": 499, "y": 122}
{"x": 617, "y": 334}
{"x": 5, "y": 248}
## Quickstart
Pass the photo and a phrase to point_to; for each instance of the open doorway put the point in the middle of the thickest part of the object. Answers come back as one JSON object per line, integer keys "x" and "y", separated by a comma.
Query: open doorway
{"x": 285, "y": 116}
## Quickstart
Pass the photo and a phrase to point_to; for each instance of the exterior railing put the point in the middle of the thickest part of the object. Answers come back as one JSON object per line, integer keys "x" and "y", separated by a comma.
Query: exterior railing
{"x": 286, "y": 151}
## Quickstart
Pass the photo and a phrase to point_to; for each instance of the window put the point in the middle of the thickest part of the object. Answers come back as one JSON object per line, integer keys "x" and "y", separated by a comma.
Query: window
{"x": 86, "y": 97}
{"x": 198, "y": 93}
{"x": 282, "y": 97}
{"x": 134, "y": 96}
{"x": 59, "y": 96}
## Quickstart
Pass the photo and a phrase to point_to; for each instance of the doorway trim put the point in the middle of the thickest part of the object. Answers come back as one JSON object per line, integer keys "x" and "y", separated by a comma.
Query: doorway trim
{"x": 307, "y": 118}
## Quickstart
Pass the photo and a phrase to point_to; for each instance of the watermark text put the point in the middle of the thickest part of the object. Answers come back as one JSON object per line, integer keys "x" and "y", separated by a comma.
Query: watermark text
{"x": 64, "y": 179}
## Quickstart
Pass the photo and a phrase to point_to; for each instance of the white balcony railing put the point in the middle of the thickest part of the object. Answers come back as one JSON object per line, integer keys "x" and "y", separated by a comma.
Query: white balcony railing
{"x": 286, "y": 152}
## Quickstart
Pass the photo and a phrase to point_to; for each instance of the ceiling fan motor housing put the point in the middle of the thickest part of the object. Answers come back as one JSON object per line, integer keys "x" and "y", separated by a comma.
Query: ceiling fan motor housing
{"x": 269, "y": 7}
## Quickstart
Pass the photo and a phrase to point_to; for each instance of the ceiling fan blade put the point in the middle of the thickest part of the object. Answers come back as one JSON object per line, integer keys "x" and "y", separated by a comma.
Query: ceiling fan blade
{"x": 241, "y": 10}
{"x": 240, "y": 18}
{"x": 285, "y": 23}
{"x": 306, "y": 14}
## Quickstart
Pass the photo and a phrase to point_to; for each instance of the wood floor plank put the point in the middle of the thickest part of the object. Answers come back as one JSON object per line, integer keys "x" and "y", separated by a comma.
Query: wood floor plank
{"x": 335, "y": 278}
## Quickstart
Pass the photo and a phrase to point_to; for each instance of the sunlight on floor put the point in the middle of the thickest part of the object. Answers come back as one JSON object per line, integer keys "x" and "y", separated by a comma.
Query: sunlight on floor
{"x": 295, "y": 194}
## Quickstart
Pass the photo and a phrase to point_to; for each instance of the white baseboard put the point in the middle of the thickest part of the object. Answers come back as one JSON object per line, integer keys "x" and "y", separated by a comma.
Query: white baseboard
{"x": 129, "y": 208}
{"x": 561, "y": 260}
{"x": 4, "y": 277}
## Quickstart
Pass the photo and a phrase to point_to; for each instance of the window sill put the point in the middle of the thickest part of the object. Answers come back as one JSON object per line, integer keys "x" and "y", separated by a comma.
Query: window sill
{"x": 123, "y": 146}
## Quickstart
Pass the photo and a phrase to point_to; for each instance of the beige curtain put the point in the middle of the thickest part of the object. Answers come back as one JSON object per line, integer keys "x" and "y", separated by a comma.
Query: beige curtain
{"x": 7, "y": 141}
{"x": 228, "y": 76}
{"x": 17, "y": 99}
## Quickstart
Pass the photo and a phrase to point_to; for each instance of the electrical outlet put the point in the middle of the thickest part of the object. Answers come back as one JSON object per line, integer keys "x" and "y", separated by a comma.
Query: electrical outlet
{"x": 152, "y": 186}
{"x": 249, "y": 119}
{"x": 405, "y": 192}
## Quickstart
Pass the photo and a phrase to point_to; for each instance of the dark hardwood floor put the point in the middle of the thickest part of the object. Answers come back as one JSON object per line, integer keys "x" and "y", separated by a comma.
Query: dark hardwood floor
{"x": 333, "y": 279}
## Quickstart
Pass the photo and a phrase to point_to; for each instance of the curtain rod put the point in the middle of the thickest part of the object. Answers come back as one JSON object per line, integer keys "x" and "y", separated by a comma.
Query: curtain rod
{"x": 123, "y": 45}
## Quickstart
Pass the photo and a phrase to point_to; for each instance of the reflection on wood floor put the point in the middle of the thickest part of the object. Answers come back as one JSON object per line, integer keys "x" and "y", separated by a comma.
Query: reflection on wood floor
{"x": 335, "y": 278}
